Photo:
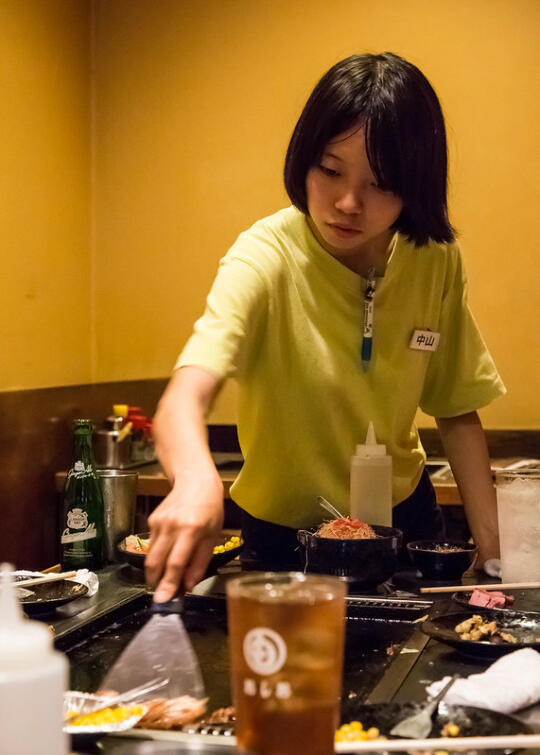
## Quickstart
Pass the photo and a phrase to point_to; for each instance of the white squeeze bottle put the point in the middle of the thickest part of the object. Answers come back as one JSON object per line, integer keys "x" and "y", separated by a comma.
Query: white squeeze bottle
{"x": 32, "y": 682}
{"x": 371, "y": 482}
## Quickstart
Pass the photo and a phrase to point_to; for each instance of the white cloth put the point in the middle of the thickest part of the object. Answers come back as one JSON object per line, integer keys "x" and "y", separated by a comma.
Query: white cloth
{"x": 88, "y": 578}
{"x": 492, "y": 567}
{"x": 509, "y": 684}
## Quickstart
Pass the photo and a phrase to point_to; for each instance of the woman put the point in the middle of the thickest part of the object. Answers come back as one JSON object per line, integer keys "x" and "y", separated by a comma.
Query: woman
{"x": 366, "y": 172}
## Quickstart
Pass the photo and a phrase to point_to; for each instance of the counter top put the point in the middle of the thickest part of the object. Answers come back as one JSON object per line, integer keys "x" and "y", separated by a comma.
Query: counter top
{"x": 153, "y": 482}
{"x": 373, "y": 676}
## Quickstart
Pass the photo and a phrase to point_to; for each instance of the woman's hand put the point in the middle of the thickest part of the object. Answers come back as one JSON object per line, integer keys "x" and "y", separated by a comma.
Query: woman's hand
{"x": 465, "y": 445}
{"x": 184, "y": 526}
{"x": 183, "y": 531}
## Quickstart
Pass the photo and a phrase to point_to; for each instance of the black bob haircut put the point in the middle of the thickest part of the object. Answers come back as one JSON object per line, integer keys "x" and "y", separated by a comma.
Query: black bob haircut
{"x": 405, "y": 137}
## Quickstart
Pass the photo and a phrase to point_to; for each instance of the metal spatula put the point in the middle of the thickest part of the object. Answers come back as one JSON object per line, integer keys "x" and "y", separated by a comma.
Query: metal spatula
{"x": 161, "y": 649}
{"x": 419, "y": 724}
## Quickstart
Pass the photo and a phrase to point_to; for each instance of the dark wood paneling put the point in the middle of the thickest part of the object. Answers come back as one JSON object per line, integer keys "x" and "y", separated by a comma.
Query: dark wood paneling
{"x": 35, "y": 442}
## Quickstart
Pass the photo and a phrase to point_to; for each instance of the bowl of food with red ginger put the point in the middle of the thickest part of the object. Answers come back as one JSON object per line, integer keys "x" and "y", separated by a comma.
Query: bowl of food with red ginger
{"x": 367, "y": 555}
{"x": 442, "y": 560}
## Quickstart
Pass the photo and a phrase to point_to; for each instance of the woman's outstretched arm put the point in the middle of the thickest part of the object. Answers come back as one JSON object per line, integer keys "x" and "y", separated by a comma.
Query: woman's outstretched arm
{"x": 184, "y": 526}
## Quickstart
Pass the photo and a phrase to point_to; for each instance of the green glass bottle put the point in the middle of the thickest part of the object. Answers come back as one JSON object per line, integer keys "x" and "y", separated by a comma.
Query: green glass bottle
{"x": 82, "y": 529}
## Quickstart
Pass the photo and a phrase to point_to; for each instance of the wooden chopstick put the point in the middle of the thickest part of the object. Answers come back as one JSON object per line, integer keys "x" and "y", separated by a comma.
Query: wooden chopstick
{"x": 517, "y": 741}
{"x": 52, "y": 569}
{"x": 470, "y": 588}
{"x": 43, "y": 580}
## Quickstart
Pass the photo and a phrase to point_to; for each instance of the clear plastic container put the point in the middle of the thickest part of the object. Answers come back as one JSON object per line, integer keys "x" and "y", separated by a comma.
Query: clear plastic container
{"x": 518, "y": 510}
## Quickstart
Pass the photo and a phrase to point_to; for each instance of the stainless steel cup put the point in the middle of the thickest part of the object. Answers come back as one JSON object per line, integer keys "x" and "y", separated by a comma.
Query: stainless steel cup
{"x": 108, "y": 452}
{"x": 119, "y": 497}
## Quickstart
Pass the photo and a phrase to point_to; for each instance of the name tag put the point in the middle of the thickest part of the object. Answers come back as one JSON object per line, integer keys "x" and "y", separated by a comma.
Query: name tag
{"x": 424, "y": 340}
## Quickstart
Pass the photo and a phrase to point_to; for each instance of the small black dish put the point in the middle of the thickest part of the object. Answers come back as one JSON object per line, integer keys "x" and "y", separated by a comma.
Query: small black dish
{"x": 462, "y": 599}
{"x": 442, "y": 565}
{"x": 525, "y": 626}
{"x": 45, "y": 598}
{"x": 217, "y": 560}
{"x": 365, "y": 563}
{"x": 524, "y": 602}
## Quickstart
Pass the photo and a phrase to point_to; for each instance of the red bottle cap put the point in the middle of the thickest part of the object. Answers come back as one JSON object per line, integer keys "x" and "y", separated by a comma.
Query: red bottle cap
{"x": 138, "y": 421}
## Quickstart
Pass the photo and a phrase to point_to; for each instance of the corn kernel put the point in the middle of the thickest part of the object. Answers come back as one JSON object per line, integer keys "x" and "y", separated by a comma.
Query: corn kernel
{"x": 107, "y": 716}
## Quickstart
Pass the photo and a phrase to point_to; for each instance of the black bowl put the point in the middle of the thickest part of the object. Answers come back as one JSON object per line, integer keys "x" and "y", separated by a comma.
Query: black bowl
{"x": 442, "y": 566}
{"x": 217, "y": 560}
{"x": 365, "y": 563}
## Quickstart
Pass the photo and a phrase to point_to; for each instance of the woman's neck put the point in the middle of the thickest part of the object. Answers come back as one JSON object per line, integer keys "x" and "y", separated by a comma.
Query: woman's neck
{"x": 374, "y": 254}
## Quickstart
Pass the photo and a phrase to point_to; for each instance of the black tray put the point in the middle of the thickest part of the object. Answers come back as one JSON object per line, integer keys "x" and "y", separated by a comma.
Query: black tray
{"x": 383, "y": 716}
{"x": 475, "y": 722}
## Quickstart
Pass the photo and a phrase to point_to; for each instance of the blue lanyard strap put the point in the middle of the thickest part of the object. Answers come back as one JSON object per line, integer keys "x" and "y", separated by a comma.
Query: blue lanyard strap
{"x": 367, "y": 335}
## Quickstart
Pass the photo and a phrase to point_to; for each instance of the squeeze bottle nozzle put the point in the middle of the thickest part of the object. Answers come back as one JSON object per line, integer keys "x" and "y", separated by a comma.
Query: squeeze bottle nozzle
{"x": 371, "y": 447}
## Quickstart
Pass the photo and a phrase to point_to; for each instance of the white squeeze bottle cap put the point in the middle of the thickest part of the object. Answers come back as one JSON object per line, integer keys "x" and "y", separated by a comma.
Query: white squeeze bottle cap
{"x": 32, "y": 678}
{"x": 371, "y": 447}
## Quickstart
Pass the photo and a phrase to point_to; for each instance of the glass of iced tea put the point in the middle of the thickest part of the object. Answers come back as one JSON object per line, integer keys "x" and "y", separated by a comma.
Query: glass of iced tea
{"x": 286, "y": 638}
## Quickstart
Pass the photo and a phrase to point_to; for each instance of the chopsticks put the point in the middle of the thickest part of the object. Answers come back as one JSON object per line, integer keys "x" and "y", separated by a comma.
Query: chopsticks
{"x": 52, "y": 569}
{"x": 43, "y": 580}
{"x": 470, "y": 588}
{"x": 517, "y": 741}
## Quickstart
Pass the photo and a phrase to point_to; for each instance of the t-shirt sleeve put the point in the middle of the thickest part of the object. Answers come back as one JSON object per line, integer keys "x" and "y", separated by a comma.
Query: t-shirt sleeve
{"x": 461, "y": 376}
{"x": 233, "y": 316}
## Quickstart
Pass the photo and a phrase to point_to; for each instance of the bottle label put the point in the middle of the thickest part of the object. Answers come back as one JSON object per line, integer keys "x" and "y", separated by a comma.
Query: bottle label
{"x": 80, "y": 470}
{"x": 77, "y": 519}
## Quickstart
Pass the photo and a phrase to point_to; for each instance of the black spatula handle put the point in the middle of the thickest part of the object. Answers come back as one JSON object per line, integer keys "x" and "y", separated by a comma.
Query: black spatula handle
{"x": 175, "y": 605}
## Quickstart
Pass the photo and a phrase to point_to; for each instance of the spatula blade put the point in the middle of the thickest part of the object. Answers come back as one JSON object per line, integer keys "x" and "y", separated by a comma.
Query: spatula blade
{"x": 161, "y": 649}
{"x": 415, "y": 727}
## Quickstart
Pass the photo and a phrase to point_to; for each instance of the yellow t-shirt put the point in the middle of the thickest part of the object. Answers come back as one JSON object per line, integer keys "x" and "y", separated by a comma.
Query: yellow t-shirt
{"x": 285, "y": 319}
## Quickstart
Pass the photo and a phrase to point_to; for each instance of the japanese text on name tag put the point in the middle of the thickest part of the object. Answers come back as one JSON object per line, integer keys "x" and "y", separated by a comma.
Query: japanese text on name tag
{"x": 424, "y": 340}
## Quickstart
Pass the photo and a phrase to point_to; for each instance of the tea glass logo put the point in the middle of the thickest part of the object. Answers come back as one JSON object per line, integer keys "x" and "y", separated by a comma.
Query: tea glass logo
{"x": 264, "y": 650}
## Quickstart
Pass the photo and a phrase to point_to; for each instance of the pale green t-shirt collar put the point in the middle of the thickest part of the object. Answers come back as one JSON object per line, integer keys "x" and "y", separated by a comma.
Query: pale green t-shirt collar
{"x": 344, "y": 277}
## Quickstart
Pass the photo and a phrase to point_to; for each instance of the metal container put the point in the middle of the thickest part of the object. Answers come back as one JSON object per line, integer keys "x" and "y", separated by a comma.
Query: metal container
{"x": 109, "y": 452}
{"x": 119, "y": 497}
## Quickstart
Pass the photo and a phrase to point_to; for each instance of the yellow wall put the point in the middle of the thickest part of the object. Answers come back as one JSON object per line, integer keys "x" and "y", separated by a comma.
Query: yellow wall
{"x": 45, "y": 321}
{"x": 195, "y": 103}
